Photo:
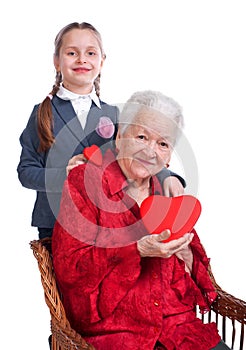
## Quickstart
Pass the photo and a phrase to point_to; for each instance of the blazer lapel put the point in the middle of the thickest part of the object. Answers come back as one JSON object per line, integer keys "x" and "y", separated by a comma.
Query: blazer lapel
{"x": 93, "y": 117}
{"x": 68, "y": 116}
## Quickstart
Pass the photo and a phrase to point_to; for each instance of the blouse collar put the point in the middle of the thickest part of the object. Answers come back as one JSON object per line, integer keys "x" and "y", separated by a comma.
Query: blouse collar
{"x": 66, "y": 94}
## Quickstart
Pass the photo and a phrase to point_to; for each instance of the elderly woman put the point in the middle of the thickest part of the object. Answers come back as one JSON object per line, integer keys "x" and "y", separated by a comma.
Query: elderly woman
{"x": 122, "y": 287}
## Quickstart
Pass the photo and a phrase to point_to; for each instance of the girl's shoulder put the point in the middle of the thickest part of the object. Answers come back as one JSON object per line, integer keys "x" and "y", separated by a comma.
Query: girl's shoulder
{"x": 110, "y": 110}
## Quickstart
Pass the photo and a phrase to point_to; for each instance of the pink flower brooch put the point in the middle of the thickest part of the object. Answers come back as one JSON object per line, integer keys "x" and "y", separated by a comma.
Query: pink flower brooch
{"x": 105, "y": 127}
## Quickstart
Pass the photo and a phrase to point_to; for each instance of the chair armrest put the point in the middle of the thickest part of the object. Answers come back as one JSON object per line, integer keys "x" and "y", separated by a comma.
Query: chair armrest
{"x": 229, "y": 306}
{"x": 226, "y": 304}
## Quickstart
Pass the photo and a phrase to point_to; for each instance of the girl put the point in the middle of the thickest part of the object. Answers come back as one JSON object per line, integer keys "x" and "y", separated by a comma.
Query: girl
{"x": 69, "y": 119}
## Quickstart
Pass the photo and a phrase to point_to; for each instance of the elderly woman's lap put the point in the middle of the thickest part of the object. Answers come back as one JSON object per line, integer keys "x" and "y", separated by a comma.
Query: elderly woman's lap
{"x": 221, "y": 346}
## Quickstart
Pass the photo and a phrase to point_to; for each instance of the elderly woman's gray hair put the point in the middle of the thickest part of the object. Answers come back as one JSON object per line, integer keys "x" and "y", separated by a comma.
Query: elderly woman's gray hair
{"x": 151, "y": 100}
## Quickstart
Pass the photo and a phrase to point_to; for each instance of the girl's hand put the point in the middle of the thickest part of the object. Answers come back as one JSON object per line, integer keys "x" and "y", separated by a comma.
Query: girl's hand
{"x": 153, "y": 246}
{"x": 75, "y": 161}
{"x": 172, "y": 187}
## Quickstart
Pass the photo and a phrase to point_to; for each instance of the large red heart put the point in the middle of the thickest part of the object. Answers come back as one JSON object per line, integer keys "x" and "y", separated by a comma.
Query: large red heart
{"x": 178, "y": 214}
{"x": 93, "y": 154}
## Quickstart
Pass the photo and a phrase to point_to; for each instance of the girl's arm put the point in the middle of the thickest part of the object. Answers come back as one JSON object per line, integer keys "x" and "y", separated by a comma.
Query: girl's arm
{"x": 32, "y": 170}
{"x": 173, "y": 184}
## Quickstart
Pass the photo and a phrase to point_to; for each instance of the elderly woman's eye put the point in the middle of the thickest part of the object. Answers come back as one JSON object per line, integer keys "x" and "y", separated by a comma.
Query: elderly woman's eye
{"x": 163, "y": 144}
{"x": 141, "y": 137}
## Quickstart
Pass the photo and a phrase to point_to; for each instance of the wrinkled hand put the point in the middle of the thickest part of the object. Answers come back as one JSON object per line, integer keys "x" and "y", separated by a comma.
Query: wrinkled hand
{"x": 172, "y": 187}
{"x": 75, "y": 161}
{"x": 187, "y": 256}
{"x": 152, "y": 245}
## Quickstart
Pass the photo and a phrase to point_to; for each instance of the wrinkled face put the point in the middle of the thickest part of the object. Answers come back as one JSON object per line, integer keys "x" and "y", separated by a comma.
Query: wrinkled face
{"x": 146, "y": 145}
{"x": 80, "y": 60}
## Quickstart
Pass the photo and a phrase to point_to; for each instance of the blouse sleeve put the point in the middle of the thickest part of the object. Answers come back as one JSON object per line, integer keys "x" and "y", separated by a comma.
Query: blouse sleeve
{"x": 201, "y": 276}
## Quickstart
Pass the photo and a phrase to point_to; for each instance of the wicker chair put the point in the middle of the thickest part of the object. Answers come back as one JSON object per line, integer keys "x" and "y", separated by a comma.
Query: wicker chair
{"x": 227, "y": 311}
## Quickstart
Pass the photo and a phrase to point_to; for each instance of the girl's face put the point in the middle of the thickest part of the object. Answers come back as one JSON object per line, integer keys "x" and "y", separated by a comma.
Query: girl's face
{"x": 143, "y": 151}
{"x": 80, "y": 60}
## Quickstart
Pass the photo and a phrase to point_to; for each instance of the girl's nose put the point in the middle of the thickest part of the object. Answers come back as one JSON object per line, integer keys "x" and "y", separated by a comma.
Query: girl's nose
{"x": 81, "y": 58}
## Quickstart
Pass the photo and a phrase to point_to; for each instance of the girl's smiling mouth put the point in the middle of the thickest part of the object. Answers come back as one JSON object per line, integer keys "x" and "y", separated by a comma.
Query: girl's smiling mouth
{"x": 81, "y": 70}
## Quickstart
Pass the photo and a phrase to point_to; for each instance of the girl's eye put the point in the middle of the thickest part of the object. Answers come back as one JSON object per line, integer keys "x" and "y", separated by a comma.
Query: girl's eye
{"x": 71, "y": 53}
{"x": 91, "y": 53}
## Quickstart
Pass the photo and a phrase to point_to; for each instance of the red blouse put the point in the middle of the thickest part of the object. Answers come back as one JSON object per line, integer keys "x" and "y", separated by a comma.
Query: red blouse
{"x": 112, "y": 296}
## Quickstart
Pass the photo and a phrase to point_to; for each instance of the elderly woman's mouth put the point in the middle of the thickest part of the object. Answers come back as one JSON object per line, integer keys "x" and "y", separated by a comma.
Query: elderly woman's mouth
{"x": 144, "y": 161}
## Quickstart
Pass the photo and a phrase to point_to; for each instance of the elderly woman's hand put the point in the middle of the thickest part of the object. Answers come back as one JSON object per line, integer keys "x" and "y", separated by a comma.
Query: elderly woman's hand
{"x": 75, "y": 161}
{"x": 172, "y": 187}
{"x": 153, "y": 246}
{"x": 186, "y": 255}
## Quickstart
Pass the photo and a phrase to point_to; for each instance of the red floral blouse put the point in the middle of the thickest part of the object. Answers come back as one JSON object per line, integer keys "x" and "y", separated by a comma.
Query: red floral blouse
{"x": 113, "y": 297}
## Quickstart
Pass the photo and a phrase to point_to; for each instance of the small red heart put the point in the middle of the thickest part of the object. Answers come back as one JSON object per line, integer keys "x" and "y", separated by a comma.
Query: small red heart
{"x": 93, "y": 154}
{"x": 178, "y": 214}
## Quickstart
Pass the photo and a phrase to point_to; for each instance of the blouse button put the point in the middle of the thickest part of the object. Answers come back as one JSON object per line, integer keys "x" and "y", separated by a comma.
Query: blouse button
{"x": 156, "y": 330}
{"x": 154, "y": 275}
{"x": 156, "y": 303}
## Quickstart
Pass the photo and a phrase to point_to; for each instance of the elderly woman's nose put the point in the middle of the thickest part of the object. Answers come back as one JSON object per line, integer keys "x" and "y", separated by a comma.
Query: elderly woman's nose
{"x": 151, "y": 148}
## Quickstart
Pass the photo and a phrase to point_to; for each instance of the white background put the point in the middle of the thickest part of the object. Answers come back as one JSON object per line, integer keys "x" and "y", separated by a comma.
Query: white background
{"x": 191, "y": 50}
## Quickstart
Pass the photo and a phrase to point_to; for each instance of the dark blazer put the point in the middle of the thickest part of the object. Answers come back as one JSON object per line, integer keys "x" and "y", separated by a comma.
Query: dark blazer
{"x": 45, "y": 172}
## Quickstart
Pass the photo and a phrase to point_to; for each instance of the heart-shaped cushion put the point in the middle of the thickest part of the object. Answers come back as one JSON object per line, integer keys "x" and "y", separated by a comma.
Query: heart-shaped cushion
{"x": 178, "y": 214}
{"x": 93, "y": 154}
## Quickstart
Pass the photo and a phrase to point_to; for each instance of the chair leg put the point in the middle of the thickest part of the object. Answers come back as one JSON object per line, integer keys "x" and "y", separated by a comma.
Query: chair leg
{"x": 50, "y": 341}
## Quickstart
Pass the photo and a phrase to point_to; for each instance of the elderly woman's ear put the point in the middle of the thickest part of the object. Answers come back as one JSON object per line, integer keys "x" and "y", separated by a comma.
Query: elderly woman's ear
{"x": 117, "y": 141}
{"x": 167, "y": 161}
